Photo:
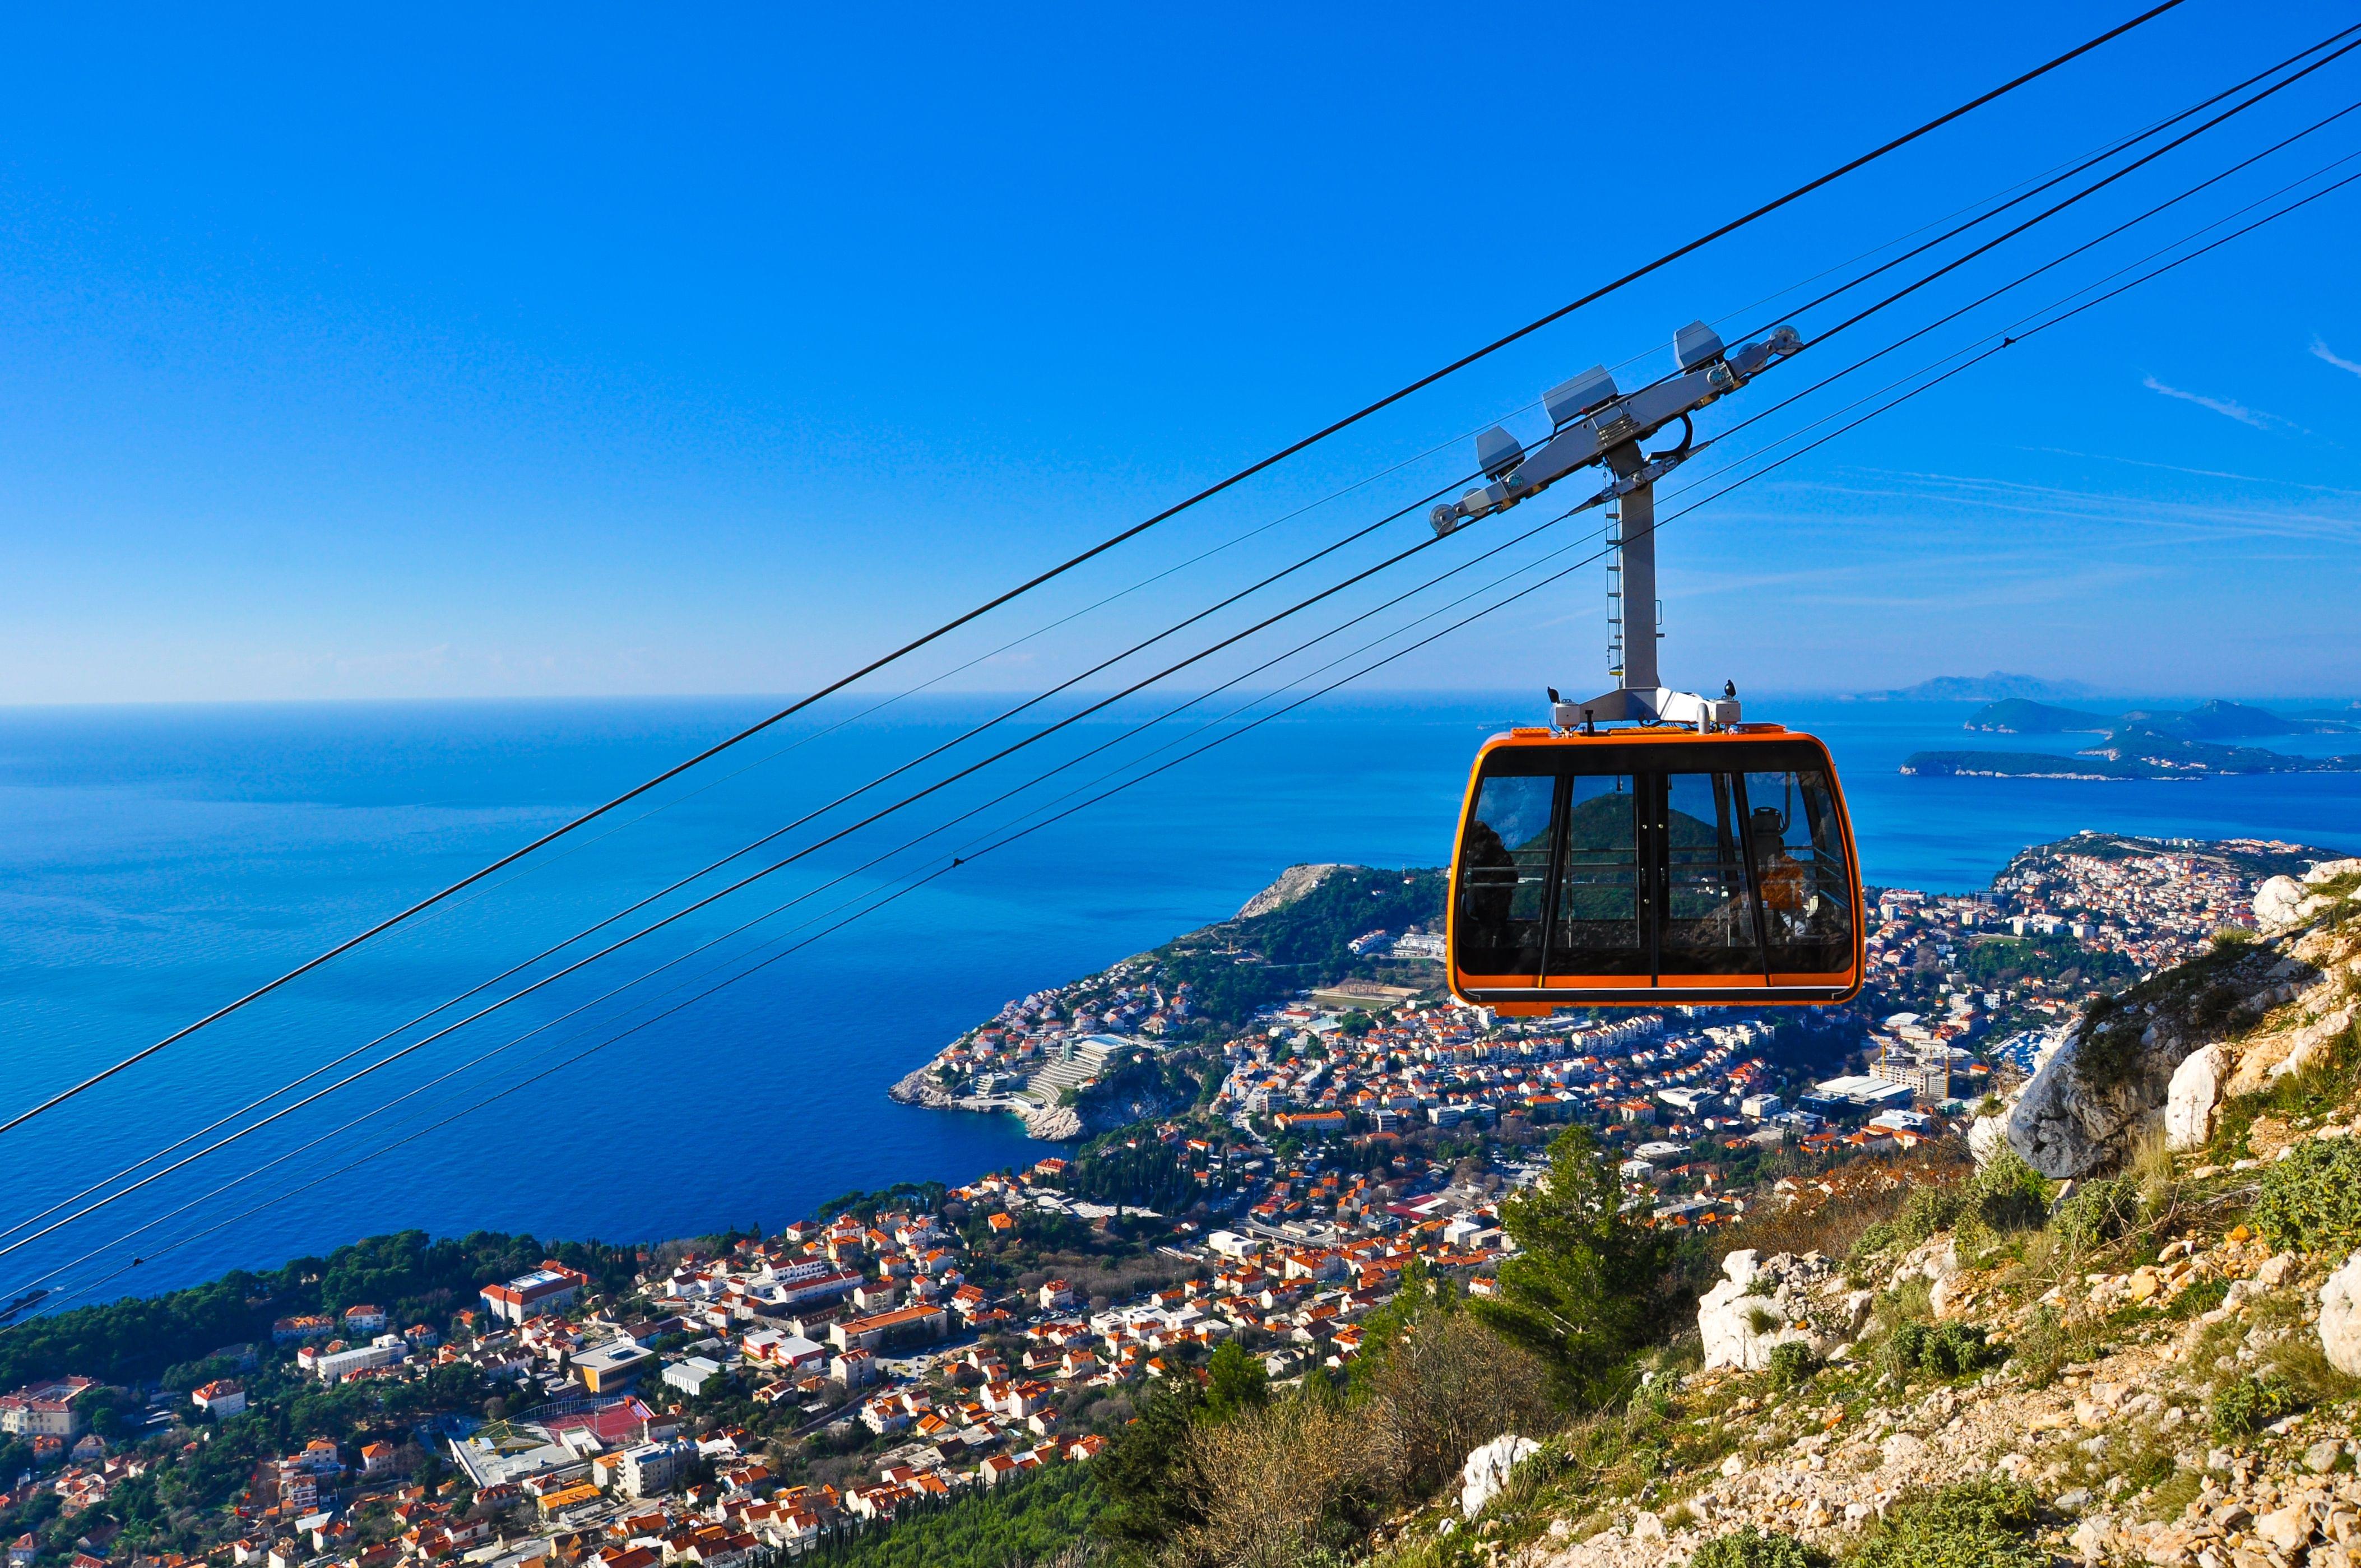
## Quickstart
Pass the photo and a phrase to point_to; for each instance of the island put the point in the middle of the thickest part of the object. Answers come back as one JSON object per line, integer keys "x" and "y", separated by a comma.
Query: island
{"x": 2141, "y": 744}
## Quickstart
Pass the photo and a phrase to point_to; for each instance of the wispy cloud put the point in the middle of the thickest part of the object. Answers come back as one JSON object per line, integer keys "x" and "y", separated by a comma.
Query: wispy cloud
{"x": 2319, "y": 350}
{"x": 2227, "y": 407}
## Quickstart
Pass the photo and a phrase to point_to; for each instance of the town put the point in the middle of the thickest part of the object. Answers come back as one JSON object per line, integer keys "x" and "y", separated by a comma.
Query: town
{"x": 722, "y": 1402}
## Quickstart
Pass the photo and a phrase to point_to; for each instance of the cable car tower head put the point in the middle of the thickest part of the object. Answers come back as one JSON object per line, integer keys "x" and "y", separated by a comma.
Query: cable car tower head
{"x": 1593, "y": 422}
{"x": 1676, "y": 855}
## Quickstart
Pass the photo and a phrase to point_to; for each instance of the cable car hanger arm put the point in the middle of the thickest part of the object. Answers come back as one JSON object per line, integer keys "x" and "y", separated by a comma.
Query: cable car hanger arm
{"x": 1594, "y": 422}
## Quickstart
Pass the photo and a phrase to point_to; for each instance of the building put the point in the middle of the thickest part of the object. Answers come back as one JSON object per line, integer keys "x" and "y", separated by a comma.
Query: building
{"x": 364, "y": 1319}
{"x": 221, "y": 1398}
{"x": 309, "y": 1325}
{"x": 651, "y": 1469}
{"x": 692, "y": 1374}
{"x": 1923, "y": 1067}
{"x": 46, "y": 1409}
{"x": 1860, "y": 1092}
{"x": 385, "y": 1349}
{"x": 868, "y": 1333}
{"x": 611, "y": 1367}
{"x": 547, "y": 1290}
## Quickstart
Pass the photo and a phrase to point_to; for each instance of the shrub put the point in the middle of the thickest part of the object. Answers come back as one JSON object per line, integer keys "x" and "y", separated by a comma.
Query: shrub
{"x": 1793, "y": 1363}
{"x": 2005, "y": 1195}
{"x": 2245, "y": 1406}
{"x": 2311, "y": 1199}
{"x": 2098, "y": 1212}
{"x": 2009, "y": 1195}
{"x": 1753, "y": 1548}
{"x": 1974, "y": 1524}
{"x": 1950, "y": 1350}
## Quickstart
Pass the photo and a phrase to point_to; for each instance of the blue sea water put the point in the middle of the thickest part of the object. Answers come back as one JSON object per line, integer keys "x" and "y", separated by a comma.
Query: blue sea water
{"x": 156, "y": 862}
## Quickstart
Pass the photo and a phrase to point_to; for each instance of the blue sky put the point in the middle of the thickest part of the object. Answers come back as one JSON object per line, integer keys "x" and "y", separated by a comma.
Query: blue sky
{"x": 566, "y": 352}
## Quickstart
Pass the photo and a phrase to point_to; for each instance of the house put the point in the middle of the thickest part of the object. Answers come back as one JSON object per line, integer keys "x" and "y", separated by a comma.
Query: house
{"x": 223, "y": 1396}
{"x": 309, "y": 1325}
{"x": 23, "y": 1550}
{"x": 377, "y": 1459}
{"x": 1057, "y": 1293}
{"x": 364, "y": 1319}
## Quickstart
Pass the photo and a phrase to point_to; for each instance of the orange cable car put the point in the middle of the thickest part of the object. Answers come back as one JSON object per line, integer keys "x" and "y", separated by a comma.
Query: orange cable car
{"x": 1688, "y": 858}
{"x": 1654, "y": 867}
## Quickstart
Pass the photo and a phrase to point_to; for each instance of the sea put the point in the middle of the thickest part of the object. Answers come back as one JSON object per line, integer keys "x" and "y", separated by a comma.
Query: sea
{"x": 158, "y": 862}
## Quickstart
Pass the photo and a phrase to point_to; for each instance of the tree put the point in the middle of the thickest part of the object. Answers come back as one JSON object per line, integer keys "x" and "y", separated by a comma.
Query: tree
{"x": 1234, "y": 1381}
{"x": 1580, "y": 1291}
{"x": 1148, "y": 1470}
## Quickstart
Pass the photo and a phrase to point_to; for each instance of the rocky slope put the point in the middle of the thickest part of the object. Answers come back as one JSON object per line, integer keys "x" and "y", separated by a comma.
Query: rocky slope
{"x": 2247, "y": 1013}
{"x": 2158, "y": 1363}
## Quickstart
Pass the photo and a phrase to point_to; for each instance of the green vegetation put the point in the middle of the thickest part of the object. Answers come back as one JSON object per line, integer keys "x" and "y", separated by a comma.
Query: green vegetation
{"x": 1952, "y": 1350}
{"x": 1028, "y": 1521}
{"x": 1582, "y": 1291}
{"x": 917, "y": 1197}
{"x": 1792, "y": 1365}
{"x": 1751, "y": 1548}
{"x": 2311, "y": 1199}
{"x": 2247, "y": 1405}
{"x": 2005, "y": 1196}
{"x": 409, "y": 1275}
{"x": 1975, "y": 1524}
{"x": 1131, "y": 1166}
{"x": 1297, "y": 945}
{"x": 2100, "y": 1211}
{"x": 1997, "y": 961}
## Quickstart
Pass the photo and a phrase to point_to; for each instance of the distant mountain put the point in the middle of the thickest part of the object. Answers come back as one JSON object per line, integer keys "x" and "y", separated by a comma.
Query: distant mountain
{"x": 2016, "y": 715}
{"x": 1998, "y": 686}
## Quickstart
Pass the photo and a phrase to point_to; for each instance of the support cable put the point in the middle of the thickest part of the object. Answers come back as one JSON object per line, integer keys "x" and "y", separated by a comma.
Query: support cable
{"x": 62, "y": 1096}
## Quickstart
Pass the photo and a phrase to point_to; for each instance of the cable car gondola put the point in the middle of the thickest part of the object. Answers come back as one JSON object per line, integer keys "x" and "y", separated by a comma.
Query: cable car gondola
{"x": 1646, "y": 847}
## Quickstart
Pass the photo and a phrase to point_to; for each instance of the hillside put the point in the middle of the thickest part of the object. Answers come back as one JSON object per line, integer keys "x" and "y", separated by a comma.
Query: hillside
{"x": 1121, "y": 1044}
{"x": 2016, "y": 715}
{"x": 2160, "y": 1362}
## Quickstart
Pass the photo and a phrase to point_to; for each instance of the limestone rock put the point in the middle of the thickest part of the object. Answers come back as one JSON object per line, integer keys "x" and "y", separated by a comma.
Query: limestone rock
{"x": 1987, "y": 1137}
{"x": 2193, "y": 1096}
{"x": 1487, "y": 1470}
{"x": 2076, "y": 1118}
{"x": 2339, "y": 1318}
{"x": 1741, "y": 1330}
{"x": 2281, "y": 902}
{"x": 1294, "y": 882}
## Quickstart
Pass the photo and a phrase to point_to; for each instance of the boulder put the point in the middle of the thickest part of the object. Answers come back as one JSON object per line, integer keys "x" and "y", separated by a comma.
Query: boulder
{"x": 2281, "y": 902}
{"x": 1487, "y": 1470}
{"x": 2339, "y": 1318}
{"x": 1763, "y": 1303}
{"x": 2193, "y": 1097}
